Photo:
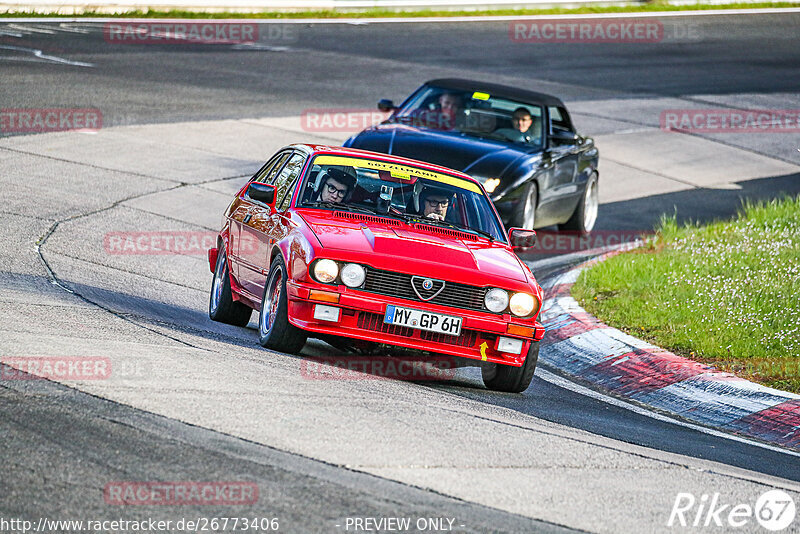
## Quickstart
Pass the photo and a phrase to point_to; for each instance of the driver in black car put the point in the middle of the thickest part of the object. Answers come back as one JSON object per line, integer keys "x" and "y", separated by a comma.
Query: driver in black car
{"x": 335, "y": 185}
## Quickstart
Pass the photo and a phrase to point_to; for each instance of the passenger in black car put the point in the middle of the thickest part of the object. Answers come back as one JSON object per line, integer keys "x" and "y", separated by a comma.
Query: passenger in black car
{"x": 525, "y": 129}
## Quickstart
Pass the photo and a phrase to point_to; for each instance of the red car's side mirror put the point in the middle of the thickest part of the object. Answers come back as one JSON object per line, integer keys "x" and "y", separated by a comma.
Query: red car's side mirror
{"x": 521, "y": 238}
{"x": 264, "y": 193}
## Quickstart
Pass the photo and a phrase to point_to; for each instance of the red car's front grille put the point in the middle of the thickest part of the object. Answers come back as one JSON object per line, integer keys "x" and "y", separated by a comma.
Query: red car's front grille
{"x": 374, "y": 322}
{"x": 398, "y": 285}
{"x": 466, "y": 339}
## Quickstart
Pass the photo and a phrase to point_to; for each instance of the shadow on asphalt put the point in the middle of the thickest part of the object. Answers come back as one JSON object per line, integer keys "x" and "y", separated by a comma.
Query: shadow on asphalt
{"x": 702, "y": 205}
{"x": 558, "y": 405}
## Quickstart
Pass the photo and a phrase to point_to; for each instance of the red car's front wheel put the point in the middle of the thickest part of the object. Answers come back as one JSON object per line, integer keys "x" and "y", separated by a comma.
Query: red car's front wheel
{"x": 509, "y": 378}
{"x": 274, "y": 329}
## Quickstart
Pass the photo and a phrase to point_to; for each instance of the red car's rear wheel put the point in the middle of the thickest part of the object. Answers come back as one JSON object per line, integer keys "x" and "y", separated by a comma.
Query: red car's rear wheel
{"x": 221, "y": 306}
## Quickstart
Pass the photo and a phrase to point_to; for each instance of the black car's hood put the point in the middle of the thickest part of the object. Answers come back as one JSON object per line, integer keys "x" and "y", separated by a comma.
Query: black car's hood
{"x": 475, "y": 156}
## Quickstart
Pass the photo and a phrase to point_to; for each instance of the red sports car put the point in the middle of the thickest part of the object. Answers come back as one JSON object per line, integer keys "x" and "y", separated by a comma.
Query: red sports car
{"x": 345, "y": 244}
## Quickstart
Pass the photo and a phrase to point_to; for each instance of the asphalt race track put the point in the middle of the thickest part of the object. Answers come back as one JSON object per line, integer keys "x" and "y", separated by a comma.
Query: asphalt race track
{"x": 185, "y": 125}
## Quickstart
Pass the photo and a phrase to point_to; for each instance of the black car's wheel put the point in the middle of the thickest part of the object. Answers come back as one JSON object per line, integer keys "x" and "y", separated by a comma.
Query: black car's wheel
{"x": 221, "y": 306}
{"x": 274, "y": 329}
{"x": 525, "y": 217}
{"x": 585, "y": 214}
{"x": 511, "y": 379}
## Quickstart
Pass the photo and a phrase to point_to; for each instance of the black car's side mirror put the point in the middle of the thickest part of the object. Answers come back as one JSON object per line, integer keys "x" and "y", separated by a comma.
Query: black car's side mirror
{"x": 264, "y": 193}
{"x": 521, "y": 238}
{"x": 384, "y": 104}
{"x": 563, "y": 136}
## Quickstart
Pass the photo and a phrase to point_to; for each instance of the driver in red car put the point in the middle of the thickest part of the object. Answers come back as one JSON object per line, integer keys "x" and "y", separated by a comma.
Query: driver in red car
{"x": 335, "y": 185}
{"x": 434, "y": 203}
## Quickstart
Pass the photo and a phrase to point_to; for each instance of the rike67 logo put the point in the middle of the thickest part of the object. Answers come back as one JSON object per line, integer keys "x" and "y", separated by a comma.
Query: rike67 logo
{"x": 774, "y": 510}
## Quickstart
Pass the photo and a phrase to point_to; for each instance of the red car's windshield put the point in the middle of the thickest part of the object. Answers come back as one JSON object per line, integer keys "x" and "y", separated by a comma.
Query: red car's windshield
{"x": 402, "y": 191}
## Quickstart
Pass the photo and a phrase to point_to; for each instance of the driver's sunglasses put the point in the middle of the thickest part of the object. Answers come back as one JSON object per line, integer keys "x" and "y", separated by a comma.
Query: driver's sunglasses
{"x": 440, "y": 203}
{"x": 333, "y": 190}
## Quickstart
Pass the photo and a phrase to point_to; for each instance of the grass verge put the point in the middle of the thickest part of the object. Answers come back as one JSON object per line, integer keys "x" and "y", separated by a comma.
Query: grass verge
{"x": 653, "y": 6}
{"x": 726, "y": 294}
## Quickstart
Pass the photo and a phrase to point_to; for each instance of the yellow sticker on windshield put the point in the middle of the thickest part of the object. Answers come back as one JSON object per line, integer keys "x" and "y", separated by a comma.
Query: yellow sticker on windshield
{"x": 403, "y": 172}
{"x": 477, "y": 95}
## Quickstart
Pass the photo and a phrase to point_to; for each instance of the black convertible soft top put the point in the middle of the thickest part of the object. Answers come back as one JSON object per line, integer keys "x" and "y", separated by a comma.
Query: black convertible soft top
{"x": 494, "y": 89}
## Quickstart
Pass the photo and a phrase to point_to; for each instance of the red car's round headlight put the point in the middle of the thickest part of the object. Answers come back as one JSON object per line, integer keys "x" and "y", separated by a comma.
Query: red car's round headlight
{"x": 326, "y": 271}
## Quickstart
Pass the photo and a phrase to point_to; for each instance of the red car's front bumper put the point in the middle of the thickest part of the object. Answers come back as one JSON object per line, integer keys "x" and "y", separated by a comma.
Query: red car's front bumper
{"x": 362, "y": 313}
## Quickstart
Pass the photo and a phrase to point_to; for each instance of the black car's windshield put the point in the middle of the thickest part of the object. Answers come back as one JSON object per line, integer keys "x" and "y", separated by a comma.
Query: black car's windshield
{"x": 474, "y": 113}
{"x": 399, "y": 191}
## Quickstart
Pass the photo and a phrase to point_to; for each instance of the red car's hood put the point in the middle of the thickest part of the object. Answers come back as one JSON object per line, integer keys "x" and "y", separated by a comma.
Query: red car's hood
{"x": 394, "y": 245}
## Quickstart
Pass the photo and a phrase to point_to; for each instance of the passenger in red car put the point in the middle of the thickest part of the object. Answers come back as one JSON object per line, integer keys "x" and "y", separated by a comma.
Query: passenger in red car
{"x": 335, "y": 185}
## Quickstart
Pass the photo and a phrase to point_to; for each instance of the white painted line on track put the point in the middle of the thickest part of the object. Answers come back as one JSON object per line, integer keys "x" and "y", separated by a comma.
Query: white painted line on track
{"x": 31, "y": 29}
{"x": 71, "y": 29}
{"x": 389, "y": 20}
{"x": 562, "y": 382}
{"x": 41, "y": 55}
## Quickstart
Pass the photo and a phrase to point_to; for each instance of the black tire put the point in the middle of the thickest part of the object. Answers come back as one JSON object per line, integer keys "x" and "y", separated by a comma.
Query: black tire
{"x": 511, "y": 379}
{"x": 585, "y": 215}
{"x": 525, "y": 216}
{"x": 275, "y": 332}
{"x": 221, "y": 306}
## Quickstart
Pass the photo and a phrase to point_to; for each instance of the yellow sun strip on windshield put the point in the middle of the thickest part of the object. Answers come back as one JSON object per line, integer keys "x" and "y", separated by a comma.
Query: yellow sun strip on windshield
{"x": 403, "y": 172}
{"x": 477, "y": 95}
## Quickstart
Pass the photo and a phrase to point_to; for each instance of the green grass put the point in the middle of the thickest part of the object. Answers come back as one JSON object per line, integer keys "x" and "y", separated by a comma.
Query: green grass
{"x": 726, "y": 294}
{"x": 657, "y": 5}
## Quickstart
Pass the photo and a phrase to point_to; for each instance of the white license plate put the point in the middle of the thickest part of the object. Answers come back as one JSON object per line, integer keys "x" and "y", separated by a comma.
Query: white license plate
{"x": 423, "y": 320}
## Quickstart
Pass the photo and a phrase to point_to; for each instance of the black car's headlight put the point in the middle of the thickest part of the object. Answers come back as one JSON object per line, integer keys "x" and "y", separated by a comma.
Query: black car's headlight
{"x": 491, "y": 184}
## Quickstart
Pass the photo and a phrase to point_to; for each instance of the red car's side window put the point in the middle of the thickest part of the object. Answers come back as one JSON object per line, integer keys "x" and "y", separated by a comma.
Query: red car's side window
{"x": 284, "y": 183}
{"x": 269, "y": 171}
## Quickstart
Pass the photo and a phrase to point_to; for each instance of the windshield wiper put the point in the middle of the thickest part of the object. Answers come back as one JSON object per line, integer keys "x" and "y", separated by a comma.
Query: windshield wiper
{"x": 471, "y": 229}
{"x": 342, "y": 207}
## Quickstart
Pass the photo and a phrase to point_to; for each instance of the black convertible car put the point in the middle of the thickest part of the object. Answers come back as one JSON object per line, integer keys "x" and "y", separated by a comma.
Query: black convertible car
{"x": 520, "y": 144}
